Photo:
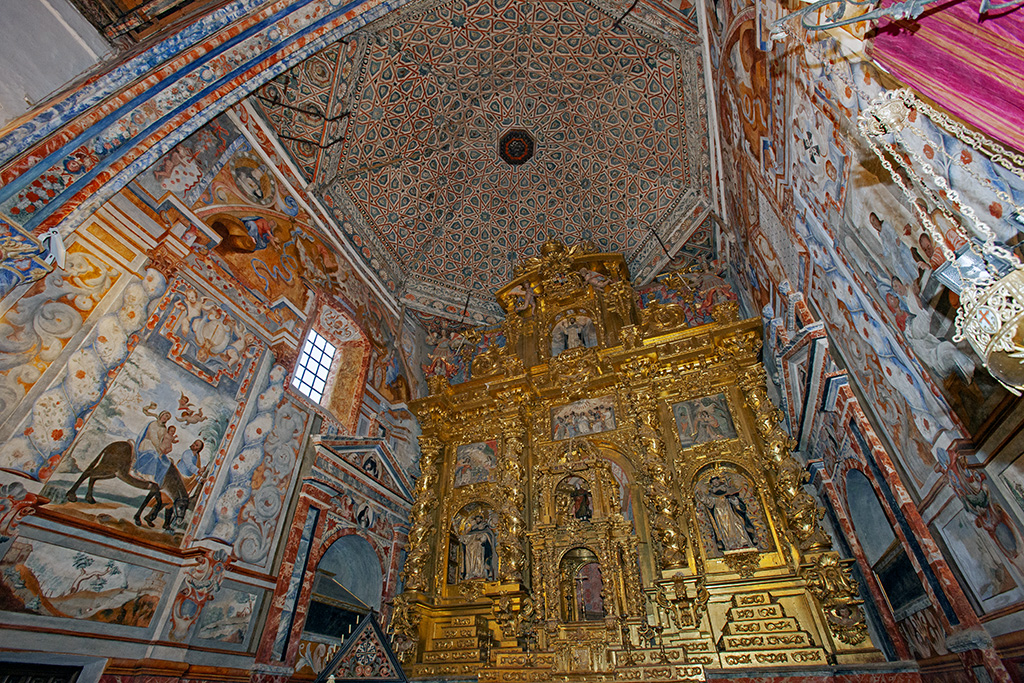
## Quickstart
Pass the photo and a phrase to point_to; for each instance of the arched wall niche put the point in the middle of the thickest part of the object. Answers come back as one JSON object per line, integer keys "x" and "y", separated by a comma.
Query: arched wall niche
{"x": 731, "y": 514}
{"x": 884, "y": 552}
{"x": 473, "y": 544}
{"x": 352, "y": 562}
{"x": 582, "y": 585}
{"x": 873, "y": 528}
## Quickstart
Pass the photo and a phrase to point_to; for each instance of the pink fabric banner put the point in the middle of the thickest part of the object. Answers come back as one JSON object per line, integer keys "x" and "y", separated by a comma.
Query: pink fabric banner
{"x": 973, "y": 68}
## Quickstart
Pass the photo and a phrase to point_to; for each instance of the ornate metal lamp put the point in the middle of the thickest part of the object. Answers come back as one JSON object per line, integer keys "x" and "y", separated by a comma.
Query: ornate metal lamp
{"x": 987, "y": 276}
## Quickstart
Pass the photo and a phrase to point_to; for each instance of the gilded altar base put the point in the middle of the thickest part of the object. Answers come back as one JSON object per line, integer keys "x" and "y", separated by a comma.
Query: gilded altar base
{"x": 611, "y": 497}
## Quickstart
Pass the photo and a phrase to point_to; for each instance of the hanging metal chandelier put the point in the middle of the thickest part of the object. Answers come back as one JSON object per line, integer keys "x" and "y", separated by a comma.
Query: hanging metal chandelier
{"x": 988, "y": 277}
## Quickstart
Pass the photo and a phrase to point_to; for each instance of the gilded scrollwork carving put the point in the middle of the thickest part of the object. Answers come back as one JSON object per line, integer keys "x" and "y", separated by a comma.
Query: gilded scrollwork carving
{"x": 660, "y": 318}
{"x": 829, "y": 580}
{"x": 422, "y": 518}
{"x": 600, "y": 507}
{"x": 801, "y": 511}
{"x": 660, "y": 503}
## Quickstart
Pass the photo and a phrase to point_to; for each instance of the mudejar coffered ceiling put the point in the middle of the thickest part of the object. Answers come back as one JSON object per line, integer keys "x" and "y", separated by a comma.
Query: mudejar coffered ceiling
{"x": 399, "y": 129}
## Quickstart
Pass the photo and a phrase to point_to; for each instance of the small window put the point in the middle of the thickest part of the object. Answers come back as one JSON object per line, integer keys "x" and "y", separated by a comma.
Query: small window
{"x": 313, "y": 366}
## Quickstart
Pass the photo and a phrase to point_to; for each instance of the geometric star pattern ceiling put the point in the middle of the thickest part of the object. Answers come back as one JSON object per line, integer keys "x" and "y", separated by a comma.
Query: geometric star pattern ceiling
{"x": 417, "y": 185}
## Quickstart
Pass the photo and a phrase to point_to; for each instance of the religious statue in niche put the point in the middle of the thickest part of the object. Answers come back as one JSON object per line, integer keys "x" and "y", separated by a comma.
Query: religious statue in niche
{"x": 729, "y": 514}
{"x": 574, "y": 500}
{"x": 589, "y": 416}
{"x": 474, "y": 462}
{"x": 472, "y": 546}
{"x": 702, "y": 420}
{"x": 573, "y": 331}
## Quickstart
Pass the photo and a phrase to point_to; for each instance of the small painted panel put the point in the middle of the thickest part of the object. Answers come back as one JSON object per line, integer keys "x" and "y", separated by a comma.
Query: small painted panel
{"x": 589, "y": 416}
{"x": 54, "y": 581}
{"x": 985, "y": 574}
{"x": 703, "y": 419}
{"x": 729, "y": 514}
{"x": 1013, "y": 477}
{"x": 474, "y": 462}
{"x": 226, "y": 618}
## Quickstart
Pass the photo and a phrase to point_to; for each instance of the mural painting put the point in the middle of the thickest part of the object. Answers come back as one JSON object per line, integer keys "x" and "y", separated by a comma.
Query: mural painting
{"x": 472, "y": 546}
{"x": 37, "y": 328}
{"x": 986, "y": 575}
{"x": 474, "y": 462}
{"x": 729, "y": 514}
{"x": 141, "y": 457}
{"x": 227, "y": 616}
{"x": 588, "y": 416}
{"x": 896, "y": 262}
{"x": 701, "y": 420}
{"x": 49, "y": 580}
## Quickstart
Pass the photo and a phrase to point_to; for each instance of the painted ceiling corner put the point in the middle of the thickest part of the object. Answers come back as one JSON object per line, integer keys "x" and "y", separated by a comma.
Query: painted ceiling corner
{"x": 397, "y": 129}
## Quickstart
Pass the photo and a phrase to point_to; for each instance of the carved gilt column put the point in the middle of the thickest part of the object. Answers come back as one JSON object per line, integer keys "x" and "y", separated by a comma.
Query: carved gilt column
{"x": 511, "y": 542}
{"x": 827, "y": 575}
{"x": 423, "y": 515}
{"x": 661, "y": 504}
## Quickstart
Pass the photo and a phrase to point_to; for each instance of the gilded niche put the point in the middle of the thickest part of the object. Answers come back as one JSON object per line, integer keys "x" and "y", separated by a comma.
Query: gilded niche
{"x": 611, "y": 491}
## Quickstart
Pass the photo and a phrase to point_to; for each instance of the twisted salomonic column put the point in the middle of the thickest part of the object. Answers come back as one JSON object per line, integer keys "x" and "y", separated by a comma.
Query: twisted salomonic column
{"x": 422, "y": 519}
{"x": 828, "y": 576}
{"x": 510, "y": 480}
{"x": 660, "y": 503}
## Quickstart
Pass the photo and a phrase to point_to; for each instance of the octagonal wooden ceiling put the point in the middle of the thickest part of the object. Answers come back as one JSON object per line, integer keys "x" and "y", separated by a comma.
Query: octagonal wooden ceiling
{"x": 399, "y": 126}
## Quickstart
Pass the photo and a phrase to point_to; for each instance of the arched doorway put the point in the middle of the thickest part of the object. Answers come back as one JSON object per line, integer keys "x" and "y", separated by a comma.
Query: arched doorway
{"x": 582, "y": 586}
{"x": 347, "y": 585}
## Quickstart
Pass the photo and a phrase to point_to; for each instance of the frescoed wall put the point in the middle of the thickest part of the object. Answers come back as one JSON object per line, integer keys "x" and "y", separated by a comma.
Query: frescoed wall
{"x": 154, "y": 459}
{"x": 152, "y": 440}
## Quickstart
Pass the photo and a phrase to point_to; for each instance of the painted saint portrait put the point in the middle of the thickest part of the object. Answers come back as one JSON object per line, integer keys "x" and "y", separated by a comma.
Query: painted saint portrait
{"x": 472, "y": 544}
{"x": 729, "y": 514}
{"x": 474, "y": 463}
{"x": 703, "y": 419}
{"x": 573, "y": 332}
{"x": 589, "y": 416}
{"x": 254, "y": 180}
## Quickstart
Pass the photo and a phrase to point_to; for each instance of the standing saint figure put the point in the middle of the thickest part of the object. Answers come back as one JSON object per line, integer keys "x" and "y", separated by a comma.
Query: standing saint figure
{"x": 582, "y": 508}
{"x": 478, "y": 545}
{"x": 728, "y": 513}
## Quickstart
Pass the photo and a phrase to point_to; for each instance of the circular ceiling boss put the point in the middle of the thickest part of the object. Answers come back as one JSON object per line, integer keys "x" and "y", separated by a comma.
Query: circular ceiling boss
{"x": 516, "y": 147}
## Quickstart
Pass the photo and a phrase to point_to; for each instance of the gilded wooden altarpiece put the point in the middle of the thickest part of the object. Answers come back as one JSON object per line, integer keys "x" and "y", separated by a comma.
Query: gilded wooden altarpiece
{"x": 643, "y": 518}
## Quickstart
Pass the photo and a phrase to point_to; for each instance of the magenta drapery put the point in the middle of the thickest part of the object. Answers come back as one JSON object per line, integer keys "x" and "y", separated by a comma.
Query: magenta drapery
{"x": 974, "y": 69}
